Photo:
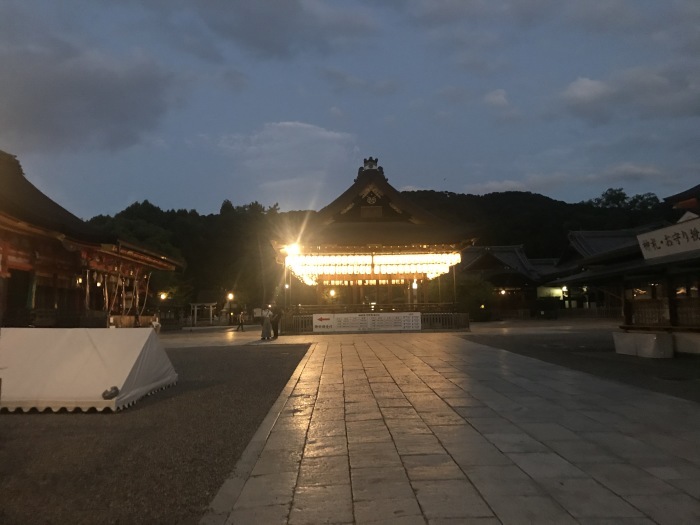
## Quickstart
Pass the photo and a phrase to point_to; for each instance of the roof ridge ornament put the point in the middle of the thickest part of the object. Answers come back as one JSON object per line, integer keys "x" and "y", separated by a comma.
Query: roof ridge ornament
{"x": 371, "y": 164}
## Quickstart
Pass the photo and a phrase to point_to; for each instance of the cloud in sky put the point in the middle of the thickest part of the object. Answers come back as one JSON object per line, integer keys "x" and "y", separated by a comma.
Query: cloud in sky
{"x": 71, "y": 99}
{"x": 277, "y": 29}
{"x": 646, "y": 92}
{"x": 342, "y": 82}
{"x": 186, "y": 102}
{"x": 291, "y": 163}
{"x": 560, "y": 182}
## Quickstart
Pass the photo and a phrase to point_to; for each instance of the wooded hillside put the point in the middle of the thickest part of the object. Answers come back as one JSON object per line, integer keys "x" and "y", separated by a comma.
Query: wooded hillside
{"x": 231, "y": 250}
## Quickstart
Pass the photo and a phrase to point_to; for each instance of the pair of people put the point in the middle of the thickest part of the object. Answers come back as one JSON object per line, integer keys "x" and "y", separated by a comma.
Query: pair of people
{"x": 270, "y": 322}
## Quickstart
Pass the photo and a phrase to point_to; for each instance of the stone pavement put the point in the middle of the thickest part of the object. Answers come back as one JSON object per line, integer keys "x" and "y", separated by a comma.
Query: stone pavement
{"x": 432, "y": 428}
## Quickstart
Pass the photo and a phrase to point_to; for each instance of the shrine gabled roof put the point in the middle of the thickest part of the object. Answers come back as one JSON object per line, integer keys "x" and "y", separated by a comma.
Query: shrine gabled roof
{"x": 507, "y": 259}
{"x": 688, "y": 199}
{"x": 371, "y": 211}
{"x": 21, "y": 200}
{"x": 585, "y": 245}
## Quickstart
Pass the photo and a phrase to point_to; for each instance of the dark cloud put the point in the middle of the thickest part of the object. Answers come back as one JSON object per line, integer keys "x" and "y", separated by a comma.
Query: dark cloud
{"x": 59, "y": 97}
{"x": 445, "y": 12}
{"x": 274, "y": 28}
{"x": 608, "y": 16}
{"x": 234, "y": 79}
{"x": 646, "y": 92}
{"x": 342, "y": 81}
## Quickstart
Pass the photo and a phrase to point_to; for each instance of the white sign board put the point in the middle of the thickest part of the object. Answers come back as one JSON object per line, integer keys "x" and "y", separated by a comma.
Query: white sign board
{"x": 367, "y": 322}
{"x": 681, "y": 237}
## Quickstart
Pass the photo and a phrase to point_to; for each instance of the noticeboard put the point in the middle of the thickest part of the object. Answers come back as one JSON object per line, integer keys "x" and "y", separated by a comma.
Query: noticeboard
{"x": 367, "y": 322}
{"x": 679, "y": 238}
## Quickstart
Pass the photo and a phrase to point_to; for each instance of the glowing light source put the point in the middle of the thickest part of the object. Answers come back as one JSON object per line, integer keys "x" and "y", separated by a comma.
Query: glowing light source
{"x": 292, "y": 249}
{"x": 406, "y": 265}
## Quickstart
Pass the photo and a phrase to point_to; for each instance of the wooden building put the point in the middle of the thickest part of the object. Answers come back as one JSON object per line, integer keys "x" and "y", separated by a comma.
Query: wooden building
{"x": 372, "y": 246}
{"x": 517, "y": 280}
{"x": 656, "y": 275}
{"x": 55, "y": 270}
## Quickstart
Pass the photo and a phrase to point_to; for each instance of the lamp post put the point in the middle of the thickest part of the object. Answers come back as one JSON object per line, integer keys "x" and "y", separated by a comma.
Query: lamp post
{"x": 230, "y": 307}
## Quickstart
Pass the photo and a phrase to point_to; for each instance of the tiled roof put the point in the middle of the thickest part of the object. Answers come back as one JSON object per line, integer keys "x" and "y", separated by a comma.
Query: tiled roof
{"x": 21, "y": 200}
{"x": 512, "y": 259}
{"x": 371, "y": 211}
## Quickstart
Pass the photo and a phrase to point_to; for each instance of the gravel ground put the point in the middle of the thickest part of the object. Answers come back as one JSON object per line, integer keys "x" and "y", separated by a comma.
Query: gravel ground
{"x": 160, "y": 461}
{"x": 589, "y": 347}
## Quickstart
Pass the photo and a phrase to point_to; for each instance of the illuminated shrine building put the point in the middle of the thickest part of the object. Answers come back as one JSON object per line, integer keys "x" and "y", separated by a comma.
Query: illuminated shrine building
{"x": 371, "y": 242}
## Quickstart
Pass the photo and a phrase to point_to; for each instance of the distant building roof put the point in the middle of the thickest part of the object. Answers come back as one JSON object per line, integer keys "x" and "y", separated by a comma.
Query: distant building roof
{"x": 371, "y": 211}
{"x": 503, "y": 260}
{"x": 21, "y": 200}
{"x": 22, "y": 203}
{"x": 686, "y": 200}
{"x": 587, "y": 245}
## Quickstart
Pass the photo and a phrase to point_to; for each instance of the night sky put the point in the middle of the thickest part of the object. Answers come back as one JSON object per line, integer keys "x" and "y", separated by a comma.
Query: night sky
{"x": 187, "y": 103}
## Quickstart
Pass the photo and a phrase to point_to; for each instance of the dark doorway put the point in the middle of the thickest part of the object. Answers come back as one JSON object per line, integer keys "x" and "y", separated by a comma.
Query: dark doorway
{"x": 18, "y": 285}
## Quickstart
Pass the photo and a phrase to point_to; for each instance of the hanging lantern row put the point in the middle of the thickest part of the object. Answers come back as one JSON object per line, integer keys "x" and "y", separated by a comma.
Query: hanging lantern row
{"x": 309, "y": 267}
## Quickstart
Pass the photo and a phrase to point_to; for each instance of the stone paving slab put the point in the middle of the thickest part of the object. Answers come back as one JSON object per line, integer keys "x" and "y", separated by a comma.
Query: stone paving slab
{"x": 433, "y": 429}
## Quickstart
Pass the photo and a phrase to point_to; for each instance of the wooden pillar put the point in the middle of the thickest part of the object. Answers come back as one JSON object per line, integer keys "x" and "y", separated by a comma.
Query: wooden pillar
{"x": 105, "y": 292}
{"x": 627, "y": 305}
{"x": 454, "y": 284}
{"x": 667, "y": 282}
{"x": 31, "y": 291}
{"x": 3, "y": 297}
{"x": 55, "y": 291}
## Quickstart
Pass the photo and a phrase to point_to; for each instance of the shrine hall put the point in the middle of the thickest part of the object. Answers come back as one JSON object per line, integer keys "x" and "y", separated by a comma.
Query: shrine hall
{"x": 58, "y": 271}
{"x": 373, "y": 249}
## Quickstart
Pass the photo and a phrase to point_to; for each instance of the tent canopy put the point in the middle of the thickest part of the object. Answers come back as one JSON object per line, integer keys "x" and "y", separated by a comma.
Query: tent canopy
{"x": 80, "y": 368}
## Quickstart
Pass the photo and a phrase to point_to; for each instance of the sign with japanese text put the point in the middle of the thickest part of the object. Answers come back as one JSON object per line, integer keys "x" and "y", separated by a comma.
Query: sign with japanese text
{"x": 679, "y": 238}
{"x": 367, "y": 322}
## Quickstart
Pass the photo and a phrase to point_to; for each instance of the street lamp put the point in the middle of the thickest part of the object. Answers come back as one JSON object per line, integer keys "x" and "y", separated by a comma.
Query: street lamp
{"x": 230, "y": 307}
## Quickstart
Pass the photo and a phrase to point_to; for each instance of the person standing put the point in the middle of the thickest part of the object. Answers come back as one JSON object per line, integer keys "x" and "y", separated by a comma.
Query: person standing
{"x": 276, "y": 318}
{"x": 241, "y": 315}
{"x": 266, "y": 315}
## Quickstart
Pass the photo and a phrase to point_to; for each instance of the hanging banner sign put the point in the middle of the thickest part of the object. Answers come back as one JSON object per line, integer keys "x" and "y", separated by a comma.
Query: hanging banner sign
{"x": 681, "y": 237}
{"x": 367, "y": 322}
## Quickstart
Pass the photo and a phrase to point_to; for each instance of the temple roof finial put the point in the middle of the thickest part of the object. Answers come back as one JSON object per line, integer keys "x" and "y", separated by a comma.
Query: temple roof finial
{"x": 371, "y": 164}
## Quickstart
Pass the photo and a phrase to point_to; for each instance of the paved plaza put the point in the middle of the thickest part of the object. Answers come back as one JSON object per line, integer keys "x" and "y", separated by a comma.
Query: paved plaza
{"x": 433, "y": 428}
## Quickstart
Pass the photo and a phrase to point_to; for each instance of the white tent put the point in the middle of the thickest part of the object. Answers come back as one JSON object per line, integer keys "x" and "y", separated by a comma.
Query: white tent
{"x": 80, "y": 368}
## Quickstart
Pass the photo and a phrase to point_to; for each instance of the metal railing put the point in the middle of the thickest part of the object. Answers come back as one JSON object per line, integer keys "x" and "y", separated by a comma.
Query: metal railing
{"x": 303, "y": 323}
{"x": 371, "y": 308}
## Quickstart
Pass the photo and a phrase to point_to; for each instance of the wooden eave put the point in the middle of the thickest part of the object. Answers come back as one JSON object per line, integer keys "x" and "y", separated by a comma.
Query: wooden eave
{"x": 119, "y": 249}
{"x": 687, "y": 199}
{"x": 140, "y": 256}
